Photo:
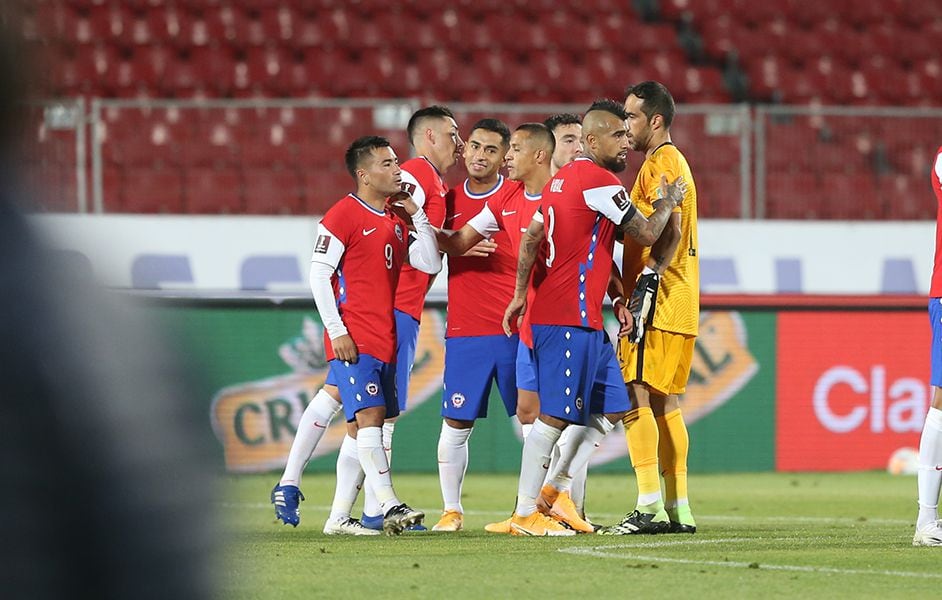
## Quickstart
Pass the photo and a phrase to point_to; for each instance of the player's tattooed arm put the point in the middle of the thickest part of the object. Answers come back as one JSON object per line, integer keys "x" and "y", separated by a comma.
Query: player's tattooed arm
{"x": 664, "y": 249}
{"x": 647, "y": 230}
{"x": 529, "y": 246}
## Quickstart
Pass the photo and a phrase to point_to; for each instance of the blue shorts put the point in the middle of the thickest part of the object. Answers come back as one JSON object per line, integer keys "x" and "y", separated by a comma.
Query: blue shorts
{"x": 526, "y": 369}
{"x": 407, "y": 335}
{"x": 574, "y": 364}
{"x": 367, "y": 383}
{"x": 935, "y": 359}
{"x": 472, "y": 365}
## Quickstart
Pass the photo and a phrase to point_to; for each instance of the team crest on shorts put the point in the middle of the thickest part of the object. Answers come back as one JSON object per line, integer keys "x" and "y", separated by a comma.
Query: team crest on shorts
{"x": 372, "y": 389}
{"x": 578, "y": 403}
{"x": 457, "y": 400}
{"x": 399, "y": 231}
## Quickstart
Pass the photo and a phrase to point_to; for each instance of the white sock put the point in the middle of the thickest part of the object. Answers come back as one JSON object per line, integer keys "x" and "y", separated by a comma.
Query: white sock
{"x": 349, "y": 480}
{"x": 575, "y": 454}
{"x": 374, "y": 463}
{"x": 930, "y": 458}
{"x": 525, "y": 429}
{"x": 452, "y": 464}
{"x": 314, "y": 422}
{"x": 552, "y": 475}
{"x": 533, "y": 465}
{"x": 577, "y": 491}
{"x": 371, "y": 505}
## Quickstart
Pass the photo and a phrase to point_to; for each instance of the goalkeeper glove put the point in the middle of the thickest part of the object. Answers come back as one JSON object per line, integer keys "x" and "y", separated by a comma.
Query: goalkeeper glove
{"x": 641, "y": 304}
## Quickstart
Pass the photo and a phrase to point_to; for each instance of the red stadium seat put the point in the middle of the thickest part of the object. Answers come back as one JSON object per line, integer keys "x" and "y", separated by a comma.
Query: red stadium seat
{"x": 272, "y": 191}
{"x": 323, "y": 187}
{"x": 213, "y": 190}
{"x": 152, "y": 190}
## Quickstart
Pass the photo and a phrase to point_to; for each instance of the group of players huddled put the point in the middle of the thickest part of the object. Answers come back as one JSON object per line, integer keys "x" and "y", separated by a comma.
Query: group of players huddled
{"x": 530, "y": 262}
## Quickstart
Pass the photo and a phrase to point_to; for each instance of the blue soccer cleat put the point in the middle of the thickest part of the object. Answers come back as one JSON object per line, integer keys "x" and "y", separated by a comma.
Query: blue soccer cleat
{"x": 372, "y": 522}
{"x": 287, "y": 501}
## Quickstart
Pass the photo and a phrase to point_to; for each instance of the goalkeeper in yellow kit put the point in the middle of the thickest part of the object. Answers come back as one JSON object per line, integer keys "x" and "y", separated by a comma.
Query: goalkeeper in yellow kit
{"x": 665, "y": 307}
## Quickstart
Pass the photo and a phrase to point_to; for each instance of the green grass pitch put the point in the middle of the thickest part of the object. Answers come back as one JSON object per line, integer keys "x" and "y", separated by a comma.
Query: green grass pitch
{"x": 759, "y": 535}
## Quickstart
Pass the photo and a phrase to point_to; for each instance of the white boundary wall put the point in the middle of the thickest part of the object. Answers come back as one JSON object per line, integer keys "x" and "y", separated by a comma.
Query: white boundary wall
{"x": 235, "y": 255}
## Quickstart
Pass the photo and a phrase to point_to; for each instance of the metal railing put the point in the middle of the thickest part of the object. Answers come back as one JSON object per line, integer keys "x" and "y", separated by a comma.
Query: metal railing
{"x": 807, "y": 162}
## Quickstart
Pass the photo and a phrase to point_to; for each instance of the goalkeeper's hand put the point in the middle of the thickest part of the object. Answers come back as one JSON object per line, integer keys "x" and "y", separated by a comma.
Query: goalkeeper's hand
{"x": 641, "y": 304}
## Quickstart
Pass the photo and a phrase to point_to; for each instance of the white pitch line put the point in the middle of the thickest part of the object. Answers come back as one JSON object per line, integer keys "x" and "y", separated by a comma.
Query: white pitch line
{"x": 605, "y": 552}
{"x": 611, "y": 516}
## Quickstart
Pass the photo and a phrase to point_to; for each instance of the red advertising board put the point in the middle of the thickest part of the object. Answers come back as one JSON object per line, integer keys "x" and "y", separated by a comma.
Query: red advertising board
{"x": 851, "y": 388}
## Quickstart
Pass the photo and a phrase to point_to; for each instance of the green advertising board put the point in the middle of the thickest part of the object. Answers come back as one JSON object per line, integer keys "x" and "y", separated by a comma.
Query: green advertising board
{"x": 261, "y": 363}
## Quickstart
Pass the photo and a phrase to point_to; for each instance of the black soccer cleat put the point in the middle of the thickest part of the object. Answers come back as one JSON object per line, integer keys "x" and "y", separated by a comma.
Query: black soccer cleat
{"x": 677, "y": 527}
{"x": 401, "y": 517}
{"x": 637, "y": 523}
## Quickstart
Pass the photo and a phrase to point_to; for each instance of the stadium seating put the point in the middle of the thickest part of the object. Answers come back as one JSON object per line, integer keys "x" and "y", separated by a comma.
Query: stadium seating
{"x": 535, "y": 51}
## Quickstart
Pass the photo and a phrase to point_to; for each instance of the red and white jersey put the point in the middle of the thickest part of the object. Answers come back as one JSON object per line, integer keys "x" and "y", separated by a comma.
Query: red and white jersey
{"x": 512, "y": 217}
{"x": 367, "y": 248}
{"x": 421, "y": 179}
{"x": 480, "y": 288}
{"x": 935, "y": 288}
{"x": 581, "y": 205}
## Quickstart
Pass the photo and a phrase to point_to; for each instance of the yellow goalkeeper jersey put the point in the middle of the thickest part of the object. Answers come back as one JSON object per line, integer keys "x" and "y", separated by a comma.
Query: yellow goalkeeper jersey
{"x": 678, "y": 297}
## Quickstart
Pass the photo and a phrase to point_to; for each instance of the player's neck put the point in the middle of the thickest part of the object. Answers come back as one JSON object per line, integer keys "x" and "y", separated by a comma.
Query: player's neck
{"x": 480, "y": 186}
{"x": 535, "y": 183}
{"x": 427, "y": 154}
{"x": 657, "y": 140}
{"x": 372, "y": 198}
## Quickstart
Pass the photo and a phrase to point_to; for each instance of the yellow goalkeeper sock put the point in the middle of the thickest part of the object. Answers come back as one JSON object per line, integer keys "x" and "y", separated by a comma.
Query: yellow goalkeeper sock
{"x": 673, "y": 446}
{"x": 641, "y": 431}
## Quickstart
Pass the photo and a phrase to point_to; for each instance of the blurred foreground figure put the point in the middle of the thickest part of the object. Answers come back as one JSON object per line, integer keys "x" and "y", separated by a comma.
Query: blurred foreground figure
{"x": 105, "y": 492}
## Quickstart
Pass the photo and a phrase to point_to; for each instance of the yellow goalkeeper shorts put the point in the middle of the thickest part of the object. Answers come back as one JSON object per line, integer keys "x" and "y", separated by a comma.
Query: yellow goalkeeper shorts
{"x": 662, "y": 360}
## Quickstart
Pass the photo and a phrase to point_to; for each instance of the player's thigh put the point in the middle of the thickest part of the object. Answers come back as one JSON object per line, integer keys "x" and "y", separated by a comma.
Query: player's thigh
{"x": 505, "y": 351}
{"x": 935, "y": 349}
{"x": 656, "y": 360}
{"x": 407, "y": 337}
{"x": 609, "y": 395}
{"x": 470, "y": 367}
{"x": 367, "y": 383}
{"x": 566, "y": 364}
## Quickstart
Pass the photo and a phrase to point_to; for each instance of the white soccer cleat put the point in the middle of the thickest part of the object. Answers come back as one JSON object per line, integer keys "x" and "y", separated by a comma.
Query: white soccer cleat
{"x": 929, "y": 534}
{"x": 348, "y": 526}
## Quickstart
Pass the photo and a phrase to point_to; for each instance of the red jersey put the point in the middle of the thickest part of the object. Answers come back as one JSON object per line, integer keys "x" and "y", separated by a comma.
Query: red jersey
{"x": 935, "y": 288}
{"x": 513, "y": 216}
{"x": 480, "y": 288}
{"x": 581, "y": 205}
{"x": 367, "y": 249}
{"x": 421, "y": 179}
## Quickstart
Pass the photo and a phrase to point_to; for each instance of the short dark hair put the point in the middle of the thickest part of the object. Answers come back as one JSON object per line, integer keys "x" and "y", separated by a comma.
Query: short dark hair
{"x": 656, "y": 100}
{"x": 539, "y": 130}
{"x": 495, "y": 125}
{"x": 436, "y": 111}
{"x": 554, "y": 121}
{"x": 361, "y": 148}
{"x": 610, "y": 106}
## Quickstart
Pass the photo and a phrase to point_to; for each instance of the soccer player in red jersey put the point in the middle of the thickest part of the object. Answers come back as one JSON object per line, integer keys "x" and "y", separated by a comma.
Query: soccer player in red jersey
{"x": 578, "y": 375}
{"x": 355, "y": 268}
{"x": 433, "y": 134}
{"x": 928, "y": 526}
{"x": 477, "y": 353}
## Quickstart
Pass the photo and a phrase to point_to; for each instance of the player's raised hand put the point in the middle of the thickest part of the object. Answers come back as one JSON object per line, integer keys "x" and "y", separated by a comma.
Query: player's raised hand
{"x": 514, "y": 315}
{"x": 483, "y": 248}
{"x": 403, "y": 206}
{"x": 345, "y": 349}
{"x": 674, "y": 191}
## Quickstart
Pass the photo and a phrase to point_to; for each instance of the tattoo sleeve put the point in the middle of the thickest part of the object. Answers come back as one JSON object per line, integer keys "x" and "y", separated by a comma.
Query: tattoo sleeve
{"x": 529, "y": 246}
{"x": 647, "y": 230}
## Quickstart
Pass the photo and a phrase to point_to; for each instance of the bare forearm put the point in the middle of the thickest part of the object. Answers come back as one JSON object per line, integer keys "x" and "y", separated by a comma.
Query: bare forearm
{"x": 526, "y": 258}
{"x": 615, "y": 288}
{"x": 456, "y": 243}
{"x": 664, "y": 249}
{"x": 646, "y": 231}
